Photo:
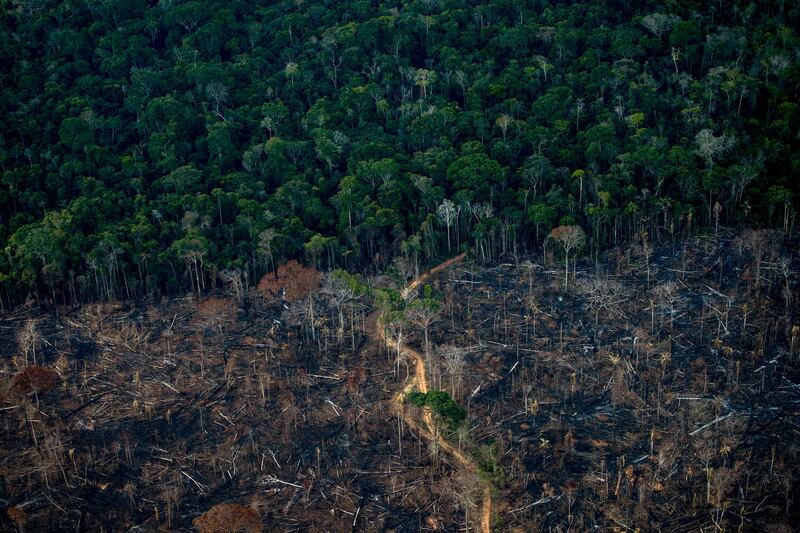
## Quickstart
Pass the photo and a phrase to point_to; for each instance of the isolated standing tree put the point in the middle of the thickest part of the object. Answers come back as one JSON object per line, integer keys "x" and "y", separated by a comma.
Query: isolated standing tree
{"x": 447, "y": 212}
{"x": 339, "y": 292}
{"x": 424, "y": 313}
{"x": 601, "y": 294}
{"x": 455, "y": 365}
{"x": 424, "y": 78}
{"x": 580, "y": 105}
{"x": 394, "y": 325}
{"x": 579, "y": 175}
{"x": 658, "y": 23}
{"x": 543, "y": 65}
{"x": 569, "y": 238}
{"x": 28, "y": 339}
{"x": 218, "y": 93}
{"x": 234, "y": 283}
{"x": 665, "y": 296}
{"x": 503, "y": 122}
{"x": 291, "y": 71}
{"x": 265, "y": 247}
{"x": 467, "y": 492}
{"x": 710, "y": 147}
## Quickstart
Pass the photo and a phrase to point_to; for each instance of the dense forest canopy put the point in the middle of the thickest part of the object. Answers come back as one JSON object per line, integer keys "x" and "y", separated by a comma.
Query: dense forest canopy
{"x": 146, "y": 147}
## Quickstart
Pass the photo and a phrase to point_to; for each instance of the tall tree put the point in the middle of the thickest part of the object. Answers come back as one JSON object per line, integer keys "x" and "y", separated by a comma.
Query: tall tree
{"x": 570, "y": 238}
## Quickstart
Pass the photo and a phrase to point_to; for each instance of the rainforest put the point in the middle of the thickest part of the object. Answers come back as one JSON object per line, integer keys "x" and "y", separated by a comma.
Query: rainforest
{"x": 402, "y": 265}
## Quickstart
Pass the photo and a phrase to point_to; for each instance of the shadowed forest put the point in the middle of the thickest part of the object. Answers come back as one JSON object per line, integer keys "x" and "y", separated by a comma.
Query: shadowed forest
{"x": 149, "y": 147}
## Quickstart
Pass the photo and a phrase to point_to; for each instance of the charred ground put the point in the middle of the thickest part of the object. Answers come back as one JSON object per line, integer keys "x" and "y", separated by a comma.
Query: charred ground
{"x": 657, "y": 390}
{"x": 153, "y": 414}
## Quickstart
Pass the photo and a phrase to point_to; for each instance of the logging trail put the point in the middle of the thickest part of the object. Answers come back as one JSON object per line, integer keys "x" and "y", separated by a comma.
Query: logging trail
{"x": 419, "y": 381}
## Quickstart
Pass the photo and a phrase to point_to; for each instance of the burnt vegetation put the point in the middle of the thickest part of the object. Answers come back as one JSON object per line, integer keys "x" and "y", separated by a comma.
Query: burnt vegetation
{"x": 209, "y": 414}
{"x": 656, "y": 389}
{"x": 399, "y": 265}
{"x": 657, "y": 392}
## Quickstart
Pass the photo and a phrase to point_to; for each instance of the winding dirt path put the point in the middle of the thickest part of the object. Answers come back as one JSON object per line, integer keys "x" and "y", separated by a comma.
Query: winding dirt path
{"x": 419, "y": 381}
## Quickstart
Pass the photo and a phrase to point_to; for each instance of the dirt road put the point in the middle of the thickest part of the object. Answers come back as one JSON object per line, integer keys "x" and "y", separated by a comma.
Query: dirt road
{"x": 419, "y": 381}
